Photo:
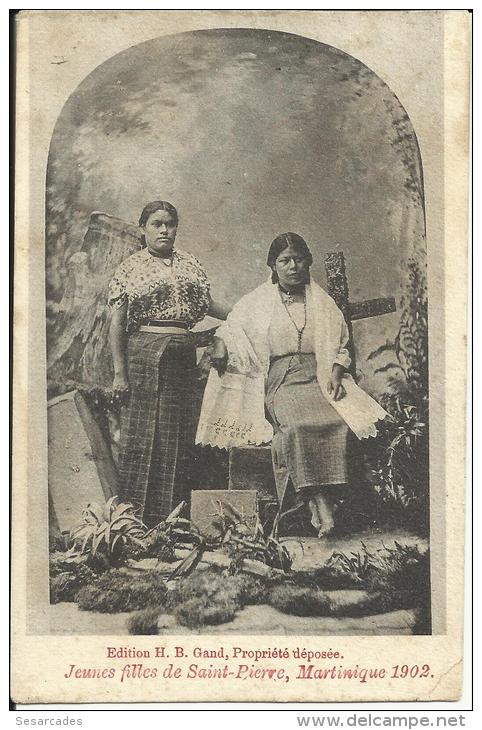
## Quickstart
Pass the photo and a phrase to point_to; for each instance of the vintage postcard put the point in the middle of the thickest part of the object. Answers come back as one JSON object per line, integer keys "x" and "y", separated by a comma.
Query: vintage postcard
{"x": 239, "y": 348}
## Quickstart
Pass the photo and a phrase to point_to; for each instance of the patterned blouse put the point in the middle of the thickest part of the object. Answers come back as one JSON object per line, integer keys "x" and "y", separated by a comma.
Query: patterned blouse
{"x": 153, "y": 290}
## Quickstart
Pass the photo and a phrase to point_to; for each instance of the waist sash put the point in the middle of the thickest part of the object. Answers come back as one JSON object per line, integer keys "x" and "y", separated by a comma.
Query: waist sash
{"x": 164, "y": 326}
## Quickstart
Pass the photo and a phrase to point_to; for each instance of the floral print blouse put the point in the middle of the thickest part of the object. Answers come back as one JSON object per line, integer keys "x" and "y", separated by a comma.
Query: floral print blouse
{"x": 153, "y": 290}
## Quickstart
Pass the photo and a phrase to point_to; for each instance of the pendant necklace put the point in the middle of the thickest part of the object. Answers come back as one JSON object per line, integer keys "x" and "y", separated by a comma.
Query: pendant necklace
{"x": 168, "y": 260}
{"x": 288, "y": 295}
{"x": 299, "y": 330}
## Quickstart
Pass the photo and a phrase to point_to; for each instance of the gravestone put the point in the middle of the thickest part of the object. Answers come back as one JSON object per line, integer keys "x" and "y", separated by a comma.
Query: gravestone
{"x": 79, "y": 468}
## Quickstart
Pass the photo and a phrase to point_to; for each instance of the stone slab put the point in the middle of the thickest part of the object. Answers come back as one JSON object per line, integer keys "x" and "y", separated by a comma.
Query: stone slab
{"x": 101, "y": 451}
{"x": 73, "y": 476}
{"x": 66, "y": 619}
{"x": 310, "y": 553}
{"x": 207, "y": 504}
{"x": 266, "y": 620}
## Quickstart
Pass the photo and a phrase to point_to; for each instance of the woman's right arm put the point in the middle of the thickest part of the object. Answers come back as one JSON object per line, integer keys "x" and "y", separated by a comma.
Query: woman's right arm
{"x": 118, "y": 348}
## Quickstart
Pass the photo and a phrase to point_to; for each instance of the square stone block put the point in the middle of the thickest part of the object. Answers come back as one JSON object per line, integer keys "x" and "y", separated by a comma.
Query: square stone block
{"x": 208, "y": 504}
{"x": 250, "y": 467}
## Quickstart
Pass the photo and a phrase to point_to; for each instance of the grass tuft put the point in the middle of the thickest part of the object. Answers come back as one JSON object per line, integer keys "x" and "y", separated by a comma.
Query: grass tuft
{"x": 299, "y": 601}
{"x": 199, "y": 612}
{"x": 66, "y": 578}
{"x": 117, "y": 591}
{"x": 145, "y": 622}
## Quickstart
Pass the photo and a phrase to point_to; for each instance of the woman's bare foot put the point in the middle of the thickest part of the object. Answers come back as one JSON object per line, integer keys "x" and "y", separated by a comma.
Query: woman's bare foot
{"x": 322, "y": 533}
{"x": 321, "y": 515}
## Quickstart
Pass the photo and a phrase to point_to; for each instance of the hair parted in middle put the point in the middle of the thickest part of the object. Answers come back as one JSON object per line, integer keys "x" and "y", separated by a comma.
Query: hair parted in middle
{"x": 285, "y": 240}
{"x": 153, "y": 207}
{"x": 156, "y": 205}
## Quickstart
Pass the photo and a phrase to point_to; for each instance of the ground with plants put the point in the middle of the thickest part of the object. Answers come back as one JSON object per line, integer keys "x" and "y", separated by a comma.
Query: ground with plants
{"x": 112, "y": 575}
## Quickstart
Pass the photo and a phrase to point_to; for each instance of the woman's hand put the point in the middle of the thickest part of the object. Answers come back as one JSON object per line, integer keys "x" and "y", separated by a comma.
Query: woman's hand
{"x": 334, "y": 385}
{"x": 216, "y": 356}
{"x": 219, "y": 355}
{"x": 120, "y": 385}
{"x": 204, "y": 365}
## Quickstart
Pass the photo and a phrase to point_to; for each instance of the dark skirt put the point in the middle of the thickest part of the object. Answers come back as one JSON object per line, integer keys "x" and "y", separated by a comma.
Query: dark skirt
{"x": 310, "y": 439}
{"x": 158, "y": 425}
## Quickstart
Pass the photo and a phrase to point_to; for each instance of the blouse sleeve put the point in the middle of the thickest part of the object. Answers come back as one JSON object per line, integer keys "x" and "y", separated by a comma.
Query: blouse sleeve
{"x": 117, "y": 295}
{"x": 201, "y": 273}
{"x": 343, "y": 357}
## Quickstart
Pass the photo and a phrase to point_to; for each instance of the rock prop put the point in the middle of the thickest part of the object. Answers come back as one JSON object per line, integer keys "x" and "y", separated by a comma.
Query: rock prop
{"x": 144, "y": 622}
{"x": 78, "y": 350}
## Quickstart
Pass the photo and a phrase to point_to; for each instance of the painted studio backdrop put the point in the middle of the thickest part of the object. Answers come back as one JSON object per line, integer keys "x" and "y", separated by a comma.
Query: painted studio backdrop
{"x": 249, "y": 133}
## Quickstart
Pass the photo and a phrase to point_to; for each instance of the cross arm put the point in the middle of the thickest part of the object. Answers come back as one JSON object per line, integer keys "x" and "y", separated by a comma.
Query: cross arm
{"x": 372, "y": 308}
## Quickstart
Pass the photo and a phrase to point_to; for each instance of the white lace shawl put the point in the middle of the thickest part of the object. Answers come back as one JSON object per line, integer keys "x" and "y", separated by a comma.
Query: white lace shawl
{"x": 233, "y": 413}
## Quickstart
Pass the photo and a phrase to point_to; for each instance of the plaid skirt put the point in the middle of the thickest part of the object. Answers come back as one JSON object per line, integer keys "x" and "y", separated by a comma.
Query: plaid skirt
{"x": 310, "y": 439}
{"x": 158, "y": 424}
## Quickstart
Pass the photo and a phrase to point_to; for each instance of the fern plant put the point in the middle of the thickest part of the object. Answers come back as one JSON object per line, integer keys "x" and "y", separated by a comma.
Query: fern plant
{"x": 398, "y": 460}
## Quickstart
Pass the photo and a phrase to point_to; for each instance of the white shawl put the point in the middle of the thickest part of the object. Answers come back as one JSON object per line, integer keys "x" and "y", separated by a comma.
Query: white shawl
{"x": 233, "y": 413}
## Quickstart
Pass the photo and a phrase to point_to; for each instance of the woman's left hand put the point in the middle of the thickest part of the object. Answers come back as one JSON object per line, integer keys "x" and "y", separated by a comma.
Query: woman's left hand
{"x": 336, "y": 389}
{"x": 334, "y": 385}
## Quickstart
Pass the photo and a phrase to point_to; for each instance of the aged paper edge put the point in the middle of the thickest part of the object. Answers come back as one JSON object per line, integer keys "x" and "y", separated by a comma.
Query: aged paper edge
{"x": 29, "y": 652}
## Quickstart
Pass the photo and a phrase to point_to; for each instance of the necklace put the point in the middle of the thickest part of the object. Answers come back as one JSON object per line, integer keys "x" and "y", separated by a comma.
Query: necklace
{"x": 299, "y": 330}
{"x": 287, "y": 295}
{"x": 168, "y": 260}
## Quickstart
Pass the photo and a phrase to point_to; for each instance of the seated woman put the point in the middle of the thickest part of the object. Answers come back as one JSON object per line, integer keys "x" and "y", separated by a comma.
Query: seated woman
{"x": 283, "y": 348}
{"x": 157, "y": 295}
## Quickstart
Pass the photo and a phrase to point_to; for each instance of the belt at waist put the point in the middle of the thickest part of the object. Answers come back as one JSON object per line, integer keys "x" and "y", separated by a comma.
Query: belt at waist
{"x": 165, "y": 323}
{"x": 274, "y": 358}
{"x": 164, "y": 326}
{"x": 163, "y": 330}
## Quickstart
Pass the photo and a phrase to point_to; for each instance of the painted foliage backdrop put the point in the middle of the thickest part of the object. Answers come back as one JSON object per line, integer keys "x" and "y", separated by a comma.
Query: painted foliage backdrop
{"x": 249, "y": 133}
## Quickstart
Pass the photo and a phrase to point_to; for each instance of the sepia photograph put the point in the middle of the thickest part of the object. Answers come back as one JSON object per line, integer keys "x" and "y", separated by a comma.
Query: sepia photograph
{"x": 241, "y": 343}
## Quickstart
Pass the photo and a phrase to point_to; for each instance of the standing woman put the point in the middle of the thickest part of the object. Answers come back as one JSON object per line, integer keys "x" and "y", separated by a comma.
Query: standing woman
{"x": 157, "y": 295}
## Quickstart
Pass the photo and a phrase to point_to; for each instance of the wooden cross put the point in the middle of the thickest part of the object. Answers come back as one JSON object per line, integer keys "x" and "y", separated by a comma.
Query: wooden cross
{"x": 338, "y": 289}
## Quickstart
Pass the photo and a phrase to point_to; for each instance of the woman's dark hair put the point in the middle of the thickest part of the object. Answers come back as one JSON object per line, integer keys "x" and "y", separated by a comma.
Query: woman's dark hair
{"x": 285, "y": 240}
{"x": 156, "y": 205}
